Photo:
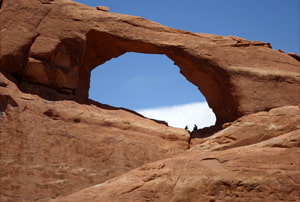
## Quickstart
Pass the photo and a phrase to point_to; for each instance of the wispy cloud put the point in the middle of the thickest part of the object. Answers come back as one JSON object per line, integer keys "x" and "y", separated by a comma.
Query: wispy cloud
{"x": 197, "y": 113}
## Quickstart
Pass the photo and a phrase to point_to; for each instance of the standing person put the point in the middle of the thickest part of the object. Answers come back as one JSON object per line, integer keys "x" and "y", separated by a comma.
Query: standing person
{"x": 195, "y": 128}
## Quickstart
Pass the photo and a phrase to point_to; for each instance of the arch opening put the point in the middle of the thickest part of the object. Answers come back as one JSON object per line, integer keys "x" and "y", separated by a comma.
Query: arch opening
{"x": 211, "y": 79}
{"x": 151, "y": 85}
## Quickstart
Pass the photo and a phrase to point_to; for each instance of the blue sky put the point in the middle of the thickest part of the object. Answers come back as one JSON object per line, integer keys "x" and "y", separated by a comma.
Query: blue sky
{"x": 146, "y": 81}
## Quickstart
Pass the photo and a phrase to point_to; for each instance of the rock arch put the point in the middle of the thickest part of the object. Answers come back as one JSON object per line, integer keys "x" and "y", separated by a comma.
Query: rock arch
{"x": 203, "y": 73}
{"x": 65, "y": 40}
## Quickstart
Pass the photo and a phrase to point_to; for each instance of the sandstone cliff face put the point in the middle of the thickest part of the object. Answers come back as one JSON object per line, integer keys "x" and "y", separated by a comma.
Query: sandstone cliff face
{"x": 268, "y": 171}
{"x": 57, "y": 144}
{"x": 52, "y": 148}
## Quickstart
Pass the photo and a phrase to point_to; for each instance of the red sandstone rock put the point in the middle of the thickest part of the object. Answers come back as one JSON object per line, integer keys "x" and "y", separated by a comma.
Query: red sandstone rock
{"x": 53, "y": 148}
{"x": 268, "y": 171}
{"x": 102, "y": 8}
{"x": 294, "y": 55}
{"x": 252, "y": 129}
{"x": 61, "y": 147}
{"x": 52, "y": 144}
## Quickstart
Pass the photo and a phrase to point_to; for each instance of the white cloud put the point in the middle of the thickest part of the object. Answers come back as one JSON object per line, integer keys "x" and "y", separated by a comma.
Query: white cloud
{"x": 197, "y": 113}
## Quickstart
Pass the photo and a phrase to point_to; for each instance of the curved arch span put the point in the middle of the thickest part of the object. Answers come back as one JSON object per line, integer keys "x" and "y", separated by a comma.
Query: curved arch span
{"x": 211, "y": 80}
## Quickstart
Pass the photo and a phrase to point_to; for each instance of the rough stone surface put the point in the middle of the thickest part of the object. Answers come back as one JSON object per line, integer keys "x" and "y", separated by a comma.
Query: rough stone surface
{"x": 233, "y": 73}
{"x": 56, "y": 144}
{"x": 267, "y": 171}
{"x": 102, "y": 8}
{"x": 252, "y": 129}
{"x": 68, "y": 151}
{"x": 53, "y": 148}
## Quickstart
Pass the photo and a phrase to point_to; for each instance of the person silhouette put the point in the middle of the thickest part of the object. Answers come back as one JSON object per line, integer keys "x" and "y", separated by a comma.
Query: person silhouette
{"x": 195, "y": 128}
{"x": 186, "y": 127}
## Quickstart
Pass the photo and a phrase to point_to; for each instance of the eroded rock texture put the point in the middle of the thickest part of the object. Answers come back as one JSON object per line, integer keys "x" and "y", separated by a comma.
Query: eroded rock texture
{"x": 56, "y": 144}
{"x": 53, "y": 148}
{"x": 261, "y": 172}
